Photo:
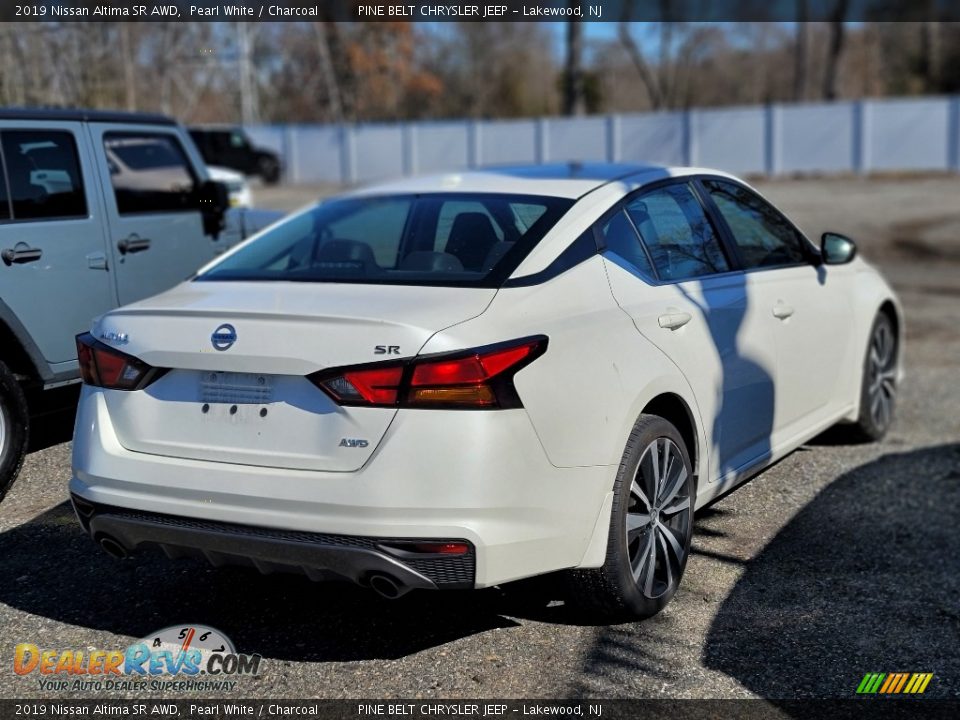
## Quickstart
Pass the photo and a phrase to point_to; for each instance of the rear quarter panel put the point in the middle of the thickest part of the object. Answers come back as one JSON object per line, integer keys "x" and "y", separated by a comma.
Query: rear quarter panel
{"x": 585, "y": 393}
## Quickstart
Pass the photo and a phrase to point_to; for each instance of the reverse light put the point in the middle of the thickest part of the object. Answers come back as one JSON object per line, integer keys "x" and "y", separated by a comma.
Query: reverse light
{"x": 481, "y": 378}
{"x": 106, "y": 367}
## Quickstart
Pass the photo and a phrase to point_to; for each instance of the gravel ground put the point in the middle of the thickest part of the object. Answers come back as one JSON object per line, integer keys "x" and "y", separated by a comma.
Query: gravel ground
{"x": 840, "y": 560}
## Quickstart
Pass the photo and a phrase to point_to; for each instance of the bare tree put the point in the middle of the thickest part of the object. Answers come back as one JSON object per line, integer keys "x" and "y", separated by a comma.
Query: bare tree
{"x": 334, "y": 101}
{"x": 801, "y": 44}
{"x": 930, "y": 53}
{"x": 573, "y": 91}
{"x": 834, "y": 49}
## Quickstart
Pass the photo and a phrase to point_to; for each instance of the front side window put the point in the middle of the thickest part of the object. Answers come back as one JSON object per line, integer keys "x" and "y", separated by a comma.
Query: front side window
{"x": 677, "y": 233}
{"x": 763, "y": 236}
{"x": 150, "y": 173}
{"x": 43, "y": 173}
{"x": 429, "y": 239}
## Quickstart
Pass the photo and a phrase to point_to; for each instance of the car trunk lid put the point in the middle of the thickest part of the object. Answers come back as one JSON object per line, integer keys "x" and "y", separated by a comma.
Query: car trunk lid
{"x": 238, "y": 355}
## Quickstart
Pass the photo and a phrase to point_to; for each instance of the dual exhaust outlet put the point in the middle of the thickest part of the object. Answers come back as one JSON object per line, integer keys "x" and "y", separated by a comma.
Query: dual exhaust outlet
{"x": 384, "y": 585}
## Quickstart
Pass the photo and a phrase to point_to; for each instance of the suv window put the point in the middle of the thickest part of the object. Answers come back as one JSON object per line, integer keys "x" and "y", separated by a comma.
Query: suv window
{"x": 620, "y": 237}
{"x": 44, "y": 177}
{"x": 677, "y": 233}
{"x": 764, "y": 237}
{"x": 150, "y": 173}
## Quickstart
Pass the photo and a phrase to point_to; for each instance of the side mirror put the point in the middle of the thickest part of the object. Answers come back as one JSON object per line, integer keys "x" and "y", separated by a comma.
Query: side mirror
{"x": 836, "y": 249}
{"x": 214, "y": 201}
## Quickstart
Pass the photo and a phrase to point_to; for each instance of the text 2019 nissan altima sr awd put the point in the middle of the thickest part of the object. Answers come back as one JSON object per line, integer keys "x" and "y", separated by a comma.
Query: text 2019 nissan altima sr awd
{"x": 460, "y": 381}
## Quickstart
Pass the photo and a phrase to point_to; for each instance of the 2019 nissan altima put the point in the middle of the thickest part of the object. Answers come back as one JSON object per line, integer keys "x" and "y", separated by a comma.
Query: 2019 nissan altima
{"x": 464, "y": 380}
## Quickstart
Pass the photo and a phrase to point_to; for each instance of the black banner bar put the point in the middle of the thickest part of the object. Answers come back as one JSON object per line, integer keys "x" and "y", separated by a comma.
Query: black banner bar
{"x": 477, "y": 10}
{"x": 875, "y": 708}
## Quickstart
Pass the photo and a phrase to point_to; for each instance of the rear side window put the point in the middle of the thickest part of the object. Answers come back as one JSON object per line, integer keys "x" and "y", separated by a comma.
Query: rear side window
{"x": 150, "y": 173}
{"x": 677, "y": 233}
{"x": 620, "y": 237}
{"x": 453, "y": 239}
{"x": 43, "y": 175}
{"x": 763, "y": 236}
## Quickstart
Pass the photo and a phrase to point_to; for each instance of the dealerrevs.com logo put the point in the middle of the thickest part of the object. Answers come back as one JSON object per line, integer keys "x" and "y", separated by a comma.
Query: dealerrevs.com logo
{"x": 177, "y": 658}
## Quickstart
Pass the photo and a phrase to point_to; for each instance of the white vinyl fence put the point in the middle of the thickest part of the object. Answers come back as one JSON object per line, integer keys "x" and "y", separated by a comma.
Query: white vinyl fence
{"x": 916, "y": 134}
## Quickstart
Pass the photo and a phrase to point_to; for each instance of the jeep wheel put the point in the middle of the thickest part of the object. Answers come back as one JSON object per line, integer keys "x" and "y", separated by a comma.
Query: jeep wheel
{"x": 14, "y": 428}
{"x": 269, "y": 170}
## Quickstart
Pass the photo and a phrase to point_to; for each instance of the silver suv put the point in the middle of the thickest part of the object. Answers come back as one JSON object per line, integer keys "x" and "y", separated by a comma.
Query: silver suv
{"x": 97, "y": 210}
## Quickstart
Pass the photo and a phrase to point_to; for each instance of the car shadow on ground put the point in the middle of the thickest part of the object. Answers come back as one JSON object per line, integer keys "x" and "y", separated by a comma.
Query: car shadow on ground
{"x": 865, "y": 578}
{"x": 51, "y": 569}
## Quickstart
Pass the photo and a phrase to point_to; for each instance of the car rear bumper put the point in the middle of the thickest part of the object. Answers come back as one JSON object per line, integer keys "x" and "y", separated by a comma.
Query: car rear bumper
{"x": 478, "y": 477}
{"x": 319, "y": 556}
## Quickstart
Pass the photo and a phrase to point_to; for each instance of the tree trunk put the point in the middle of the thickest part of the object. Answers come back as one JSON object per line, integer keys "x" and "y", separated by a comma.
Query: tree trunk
{"x": 573, "y": 97}
{"x": 334, "y": 103}
{"x": 834, "y": 49}
{"x": 930, "y": 55}
{"x": 800, "y": 53}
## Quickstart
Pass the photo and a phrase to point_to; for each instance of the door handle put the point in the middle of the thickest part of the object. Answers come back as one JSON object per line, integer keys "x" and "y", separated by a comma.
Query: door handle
{"x": 782, "y": 311}
{"x": 133, "y": 244}
{"x": 20, "y": 253}
{"x": 674, "y": 320}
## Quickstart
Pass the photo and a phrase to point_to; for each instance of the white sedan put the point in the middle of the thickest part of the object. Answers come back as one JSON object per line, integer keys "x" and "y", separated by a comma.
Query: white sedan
{"x": 464, "y": 380}
{"x": 238, "y": 187}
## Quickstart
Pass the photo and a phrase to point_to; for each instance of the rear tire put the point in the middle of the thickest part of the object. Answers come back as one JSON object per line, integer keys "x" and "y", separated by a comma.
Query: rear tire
{"x": 651, "y": 527}
{"x": 14, "y": 428}
{"x": 878, "y": 389}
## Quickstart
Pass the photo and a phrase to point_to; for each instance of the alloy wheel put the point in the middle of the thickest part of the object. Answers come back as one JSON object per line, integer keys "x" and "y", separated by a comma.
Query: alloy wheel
{"x": 658, "y": 518}
{"x": 882, "y": 387}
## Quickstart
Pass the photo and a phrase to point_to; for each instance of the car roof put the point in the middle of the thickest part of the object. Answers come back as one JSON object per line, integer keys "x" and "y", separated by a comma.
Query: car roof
{"x": 80, "y": 115}
{"x": 568, "y": 180}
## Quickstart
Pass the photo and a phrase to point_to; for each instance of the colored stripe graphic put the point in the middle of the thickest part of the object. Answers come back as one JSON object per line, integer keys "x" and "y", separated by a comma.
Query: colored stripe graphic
{"x": 871, "y": 683}
{"x": 891, "y": 680}
{"x": 903, "y": 680}
{"x": 894, "y": 683}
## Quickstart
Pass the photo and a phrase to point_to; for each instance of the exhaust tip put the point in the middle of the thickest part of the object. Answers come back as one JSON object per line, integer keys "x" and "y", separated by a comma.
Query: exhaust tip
{"x": 387, "y": 587}
{"x": 113, "y": 548}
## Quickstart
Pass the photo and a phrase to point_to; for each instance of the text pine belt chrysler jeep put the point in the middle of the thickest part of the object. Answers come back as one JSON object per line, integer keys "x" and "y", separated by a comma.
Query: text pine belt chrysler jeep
{"x": 97, "y": 210}
{"x": 459, "y": 381}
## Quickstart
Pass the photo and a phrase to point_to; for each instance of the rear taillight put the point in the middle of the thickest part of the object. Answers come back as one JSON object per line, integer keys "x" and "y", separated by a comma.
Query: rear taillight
{"x": 103, "y": 366}
{"x": 481, "y": 378}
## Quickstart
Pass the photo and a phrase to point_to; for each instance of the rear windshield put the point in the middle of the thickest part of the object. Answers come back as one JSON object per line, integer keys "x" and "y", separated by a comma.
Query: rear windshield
{"x": 433, "y": 239}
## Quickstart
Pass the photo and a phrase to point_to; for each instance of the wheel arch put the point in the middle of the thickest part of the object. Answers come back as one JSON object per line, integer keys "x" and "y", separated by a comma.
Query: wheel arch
{"x": 888, "y": 308}
{"x": 674, "y": 409}
{"x": 19, "y": 352}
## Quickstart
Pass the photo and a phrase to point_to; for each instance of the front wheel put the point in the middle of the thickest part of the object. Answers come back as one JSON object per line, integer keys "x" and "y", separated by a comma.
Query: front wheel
{"x": 878, "y": 390}
{"x": 14, "y": 424}
{"x": 651, "y": 527}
